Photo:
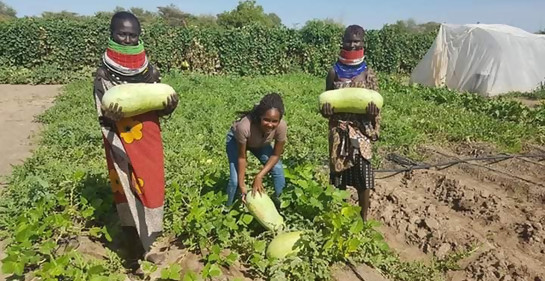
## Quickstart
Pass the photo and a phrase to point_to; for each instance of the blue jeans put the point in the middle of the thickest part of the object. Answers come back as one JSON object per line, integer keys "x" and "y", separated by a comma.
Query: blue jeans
{"x": 263, "y": 154}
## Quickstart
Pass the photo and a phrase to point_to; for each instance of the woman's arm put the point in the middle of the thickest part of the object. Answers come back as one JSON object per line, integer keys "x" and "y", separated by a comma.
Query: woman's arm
{"x": 329, "y": 80}
{"x": 242, "y": 169}
{"x": 109, "y": 116}
{"x": 273, "y": 159}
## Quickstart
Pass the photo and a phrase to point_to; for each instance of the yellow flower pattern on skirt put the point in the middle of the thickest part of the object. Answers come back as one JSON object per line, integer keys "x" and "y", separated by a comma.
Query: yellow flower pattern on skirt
{"x": 130, "y": 129}
{"x": 138, "y": 184}
{"x": 115, "y": 183}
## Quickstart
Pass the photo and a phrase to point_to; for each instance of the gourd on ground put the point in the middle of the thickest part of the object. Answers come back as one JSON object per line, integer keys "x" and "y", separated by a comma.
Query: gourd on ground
{"x": 284, "y": 244}
{"x": 137, "y": 98}
{"x": 263, "y": 209}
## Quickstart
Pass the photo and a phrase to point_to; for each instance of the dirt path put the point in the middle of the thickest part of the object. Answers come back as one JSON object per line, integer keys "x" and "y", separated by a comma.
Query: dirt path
{"x": 19, "y": 104}
{"x": 435, "y": 212}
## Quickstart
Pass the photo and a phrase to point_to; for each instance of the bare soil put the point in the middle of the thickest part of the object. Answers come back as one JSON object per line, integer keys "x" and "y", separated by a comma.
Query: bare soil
{"x": 19, "y": 105}
{"x": 493, "y": 210}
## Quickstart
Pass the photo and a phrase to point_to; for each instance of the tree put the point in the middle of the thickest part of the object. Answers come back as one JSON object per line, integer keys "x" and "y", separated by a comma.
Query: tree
{"x": 7, "y": 12}
{"x": 248, "y": 12}
{"x": 317, "y": 30}
{"x": 321, "y": 23}
{"x": 203, "y": 21}
{"x": 61, "y": 15}
{"x": 144, "y": 16}
{"x": 174, "y": 16}
{"x": 541, "y": 31}
{"x": 411, "y": 26}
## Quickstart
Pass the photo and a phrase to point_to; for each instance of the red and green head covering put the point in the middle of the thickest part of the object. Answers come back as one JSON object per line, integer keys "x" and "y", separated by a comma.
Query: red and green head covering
{"x": 127, "y": 60}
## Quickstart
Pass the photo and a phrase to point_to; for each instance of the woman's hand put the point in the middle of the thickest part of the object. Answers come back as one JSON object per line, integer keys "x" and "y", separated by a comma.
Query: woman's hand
{"x": 243, "y": 193}
{"x": 170, "y": 105}
{"x": 372, "y": 110}
{"x": 258, "y": 184}
{"x": 326, "y": 110}
{"x": 113, "y": 112}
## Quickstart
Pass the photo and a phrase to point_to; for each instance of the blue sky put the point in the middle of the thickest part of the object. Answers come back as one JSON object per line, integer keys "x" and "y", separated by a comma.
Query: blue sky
{"x": 526, "y": 14}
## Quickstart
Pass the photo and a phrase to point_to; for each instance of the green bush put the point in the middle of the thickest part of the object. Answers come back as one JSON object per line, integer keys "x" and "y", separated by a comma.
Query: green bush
{"x": 72, "y": 45}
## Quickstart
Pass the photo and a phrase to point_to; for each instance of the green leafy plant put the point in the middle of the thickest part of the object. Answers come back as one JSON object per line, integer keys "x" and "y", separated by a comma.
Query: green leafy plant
{"x": 61, "y": 193}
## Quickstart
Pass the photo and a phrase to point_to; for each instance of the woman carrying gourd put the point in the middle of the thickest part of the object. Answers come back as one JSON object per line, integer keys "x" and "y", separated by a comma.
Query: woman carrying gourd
{"x": 351, "y": 135}
{"x": 133, "y": 145}
{"x": 255, "y": 131}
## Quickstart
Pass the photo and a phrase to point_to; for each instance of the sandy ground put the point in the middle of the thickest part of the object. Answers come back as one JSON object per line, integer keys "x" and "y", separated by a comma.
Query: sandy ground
{"x": 494, "y": 208}
{"x": 19, "y": 104}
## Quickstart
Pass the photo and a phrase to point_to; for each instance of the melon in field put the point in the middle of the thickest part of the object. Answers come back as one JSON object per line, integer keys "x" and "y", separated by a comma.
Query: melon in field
{"x": 284, "y": 244}
{"x": 263, "y": 209}
{"x": 137, "y": 98}
{"x": 351, "y": 100}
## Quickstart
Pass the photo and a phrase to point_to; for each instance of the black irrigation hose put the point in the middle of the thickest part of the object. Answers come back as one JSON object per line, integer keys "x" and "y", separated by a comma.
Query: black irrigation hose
{"x": 503, "y": 172}
{"x": 444, "y": 165}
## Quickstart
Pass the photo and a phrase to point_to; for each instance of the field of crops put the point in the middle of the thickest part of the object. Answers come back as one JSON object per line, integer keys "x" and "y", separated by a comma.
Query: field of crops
{"x": 61, "y": 193}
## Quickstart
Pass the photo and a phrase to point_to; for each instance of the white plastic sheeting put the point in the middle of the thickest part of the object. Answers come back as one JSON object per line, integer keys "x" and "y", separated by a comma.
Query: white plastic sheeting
{"x": 489, "y": 59}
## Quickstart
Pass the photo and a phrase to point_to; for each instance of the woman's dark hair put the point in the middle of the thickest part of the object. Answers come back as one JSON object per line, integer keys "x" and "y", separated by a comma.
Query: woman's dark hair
{"x": 269, "y": 101}
{"x": 121, "y": 16}
{"x": 354, "y": 29}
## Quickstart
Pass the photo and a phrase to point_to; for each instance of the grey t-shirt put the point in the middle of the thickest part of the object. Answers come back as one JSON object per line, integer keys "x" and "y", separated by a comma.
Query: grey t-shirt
{"x": 251, "y": 135}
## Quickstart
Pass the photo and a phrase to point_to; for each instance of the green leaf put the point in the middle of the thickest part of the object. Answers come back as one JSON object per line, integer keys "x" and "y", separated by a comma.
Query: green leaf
{"x": 87, "y": 213}
{"x": 232, "y": 257}
{"x": 190, "y": 276}
{"x": 374, "y": 223}
{"x": 383, "y": 246}
{"x": 337, "y": 223}
{"x": 348, "y": 211}
{"x": 247, "y": 219}
{"x": 43, "y": 183}
{"x": 213, "y": 257}
{"x": 357, "y": 227}
{"x": 106, "y": 234}
{"x": 214, "y": 271}
{"x": 259, "y": 246}
{"x": 165, "y": 274}
{"x": 148, "y": 267}
{"x": 47, "y": 247}
{"x": 97, "y": 269}
{"x": 329, "y": 244}
{"x": 78, "y": 175}
{"x": 315, "y": 202}
{"x": 216, "y": 249}
{"x": 377, "y": 236}
{"x": 299, "y": 192}
{"x": 23, "y": 233}
{"x": 95, "y": 231}
{"x": 175, "y": 270}
{"x": 353, "y": 244}
{"x": 10, "y": 267}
